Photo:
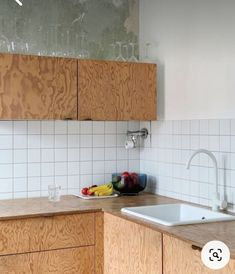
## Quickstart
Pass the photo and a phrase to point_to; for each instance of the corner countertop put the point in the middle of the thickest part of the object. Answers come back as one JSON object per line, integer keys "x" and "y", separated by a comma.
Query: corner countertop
{"x": 197, "y": 234}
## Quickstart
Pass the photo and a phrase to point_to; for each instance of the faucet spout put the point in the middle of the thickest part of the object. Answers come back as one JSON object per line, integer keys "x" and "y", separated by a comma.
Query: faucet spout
{"x": 216, "y": 202}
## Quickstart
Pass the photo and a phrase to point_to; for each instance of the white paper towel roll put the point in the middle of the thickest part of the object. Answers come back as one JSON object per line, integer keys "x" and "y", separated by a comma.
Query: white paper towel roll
{"x": 129, "y": 144}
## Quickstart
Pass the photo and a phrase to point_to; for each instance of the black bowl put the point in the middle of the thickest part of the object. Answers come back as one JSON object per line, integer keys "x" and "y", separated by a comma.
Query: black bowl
{"x": 132, "y": 184}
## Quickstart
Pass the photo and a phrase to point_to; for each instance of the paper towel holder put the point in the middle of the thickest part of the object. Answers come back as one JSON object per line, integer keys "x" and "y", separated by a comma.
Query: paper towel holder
{"x": 133, "y": 136}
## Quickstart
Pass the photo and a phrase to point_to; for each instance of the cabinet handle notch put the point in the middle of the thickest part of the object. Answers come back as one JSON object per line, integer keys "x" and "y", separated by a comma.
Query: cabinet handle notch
{"x": 194, "y": 247}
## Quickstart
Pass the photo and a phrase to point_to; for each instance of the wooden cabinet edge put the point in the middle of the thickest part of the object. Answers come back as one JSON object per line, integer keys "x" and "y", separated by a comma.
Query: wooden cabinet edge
{"x": 99, "y": 243}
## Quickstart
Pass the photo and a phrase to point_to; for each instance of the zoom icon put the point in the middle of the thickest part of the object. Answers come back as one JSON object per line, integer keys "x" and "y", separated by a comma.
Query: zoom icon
{"x": 215, "y": 255}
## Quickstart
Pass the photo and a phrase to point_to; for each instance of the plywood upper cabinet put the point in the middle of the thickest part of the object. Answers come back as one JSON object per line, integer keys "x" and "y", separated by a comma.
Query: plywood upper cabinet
{"x": 116, "y": 90}
{"x": 33, "y": 87}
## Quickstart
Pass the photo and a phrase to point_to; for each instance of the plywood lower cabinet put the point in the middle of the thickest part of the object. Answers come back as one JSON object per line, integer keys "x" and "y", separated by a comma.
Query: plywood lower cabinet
{"x": 64, "y": 261}
{"x": 46, "y": 233}
{"x": 64, "y": 244}
{"x": 130, "y": 248}
{"x": 180, "y": 258}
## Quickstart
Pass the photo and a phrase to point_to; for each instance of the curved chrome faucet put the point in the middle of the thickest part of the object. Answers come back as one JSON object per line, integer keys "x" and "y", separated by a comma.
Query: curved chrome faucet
{"x": 217, "y": 202}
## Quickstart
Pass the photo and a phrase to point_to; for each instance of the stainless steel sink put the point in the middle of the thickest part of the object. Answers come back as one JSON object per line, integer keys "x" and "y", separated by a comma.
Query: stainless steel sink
{"x": 177, "y": 214}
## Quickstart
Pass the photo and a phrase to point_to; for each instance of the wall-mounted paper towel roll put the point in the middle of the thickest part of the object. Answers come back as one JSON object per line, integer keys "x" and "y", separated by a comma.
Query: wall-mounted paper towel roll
{"x": 129, "y": 144}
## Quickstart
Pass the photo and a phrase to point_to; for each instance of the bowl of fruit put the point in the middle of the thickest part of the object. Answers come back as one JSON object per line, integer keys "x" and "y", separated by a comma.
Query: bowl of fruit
{"x": 129, "y": 183}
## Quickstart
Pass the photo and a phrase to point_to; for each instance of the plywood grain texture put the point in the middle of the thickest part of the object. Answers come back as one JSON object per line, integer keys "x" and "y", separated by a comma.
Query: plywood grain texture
{"x": 46, "y": 233}
{"x": 99, "y": 243}
{"x": 130, "y": 248}
{"x": 33, "y": 87}
{"x": 64, "y": 261}
{"x": 116, "y": 90}
{"x": 180, "y": 258}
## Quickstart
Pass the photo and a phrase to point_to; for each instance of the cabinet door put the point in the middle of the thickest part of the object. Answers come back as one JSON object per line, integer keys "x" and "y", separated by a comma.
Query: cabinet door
{"x": 46, "y": 233}
{"x": 33, "y": 87}
{"x": 116, "y": 91}
{"x": 180, "y": 258}
{"x": 130, "y": 248}
{"x": 61, "y": 261}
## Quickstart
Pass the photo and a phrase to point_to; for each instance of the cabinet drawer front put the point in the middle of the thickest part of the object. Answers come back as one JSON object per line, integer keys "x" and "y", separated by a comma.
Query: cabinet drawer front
{"x": 46, "y": 233}
{"x": 180, "y": 257}
{"x": 65, "y": 261}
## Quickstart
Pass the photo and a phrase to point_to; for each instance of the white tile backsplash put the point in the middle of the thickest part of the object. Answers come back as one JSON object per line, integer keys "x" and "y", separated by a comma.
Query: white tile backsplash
{"x": 34, "y": 154}
{"x": 34, "y": 127}
{"x": 5, "y": 141}
{"x": 172, "y": 142}
{"x": 98, "y": 127}
{"x": 110, "y": 127}
{"x": 61, "y": 127}
{"x": 47, "y": 127}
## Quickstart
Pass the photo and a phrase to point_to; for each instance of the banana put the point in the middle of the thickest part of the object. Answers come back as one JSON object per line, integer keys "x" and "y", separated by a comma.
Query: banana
{"x": 102, "y": 188}
{"x": 106, "y": 192}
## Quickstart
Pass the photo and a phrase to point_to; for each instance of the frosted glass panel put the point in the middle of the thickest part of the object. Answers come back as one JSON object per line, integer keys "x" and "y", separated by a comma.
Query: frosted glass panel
{"x": 69, "y": 28}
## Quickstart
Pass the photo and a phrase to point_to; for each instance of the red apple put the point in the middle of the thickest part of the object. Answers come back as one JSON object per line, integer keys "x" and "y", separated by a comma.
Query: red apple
{"x": 134, "y": 178}
{"x": 84, "y": 191}
{"x": 125, "y": 173}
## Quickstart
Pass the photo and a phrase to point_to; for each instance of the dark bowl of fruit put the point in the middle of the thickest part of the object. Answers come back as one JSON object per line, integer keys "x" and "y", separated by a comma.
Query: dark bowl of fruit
{"x": 129, "y": 183}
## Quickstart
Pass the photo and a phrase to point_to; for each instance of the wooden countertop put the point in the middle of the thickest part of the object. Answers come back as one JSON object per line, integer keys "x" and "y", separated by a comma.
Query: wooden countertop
{"x": 197, "y": 234}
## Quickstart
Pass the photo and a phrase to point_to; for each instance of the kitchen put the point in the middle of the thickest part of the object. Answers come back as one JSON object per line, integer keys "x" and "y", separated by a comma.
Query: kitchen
{"x": 81, "y": 82}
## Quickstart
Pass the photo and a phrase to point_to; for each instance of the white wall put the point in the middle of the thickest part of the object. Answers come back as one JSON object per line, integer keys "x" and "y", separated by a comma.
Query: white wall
{"x": 194, "y": 47}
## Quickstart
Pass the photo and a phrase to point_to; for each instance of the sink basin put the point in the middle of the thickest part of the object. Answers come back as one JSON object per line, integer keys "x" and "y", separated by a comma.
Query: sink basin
{"x": 177, "y": 214}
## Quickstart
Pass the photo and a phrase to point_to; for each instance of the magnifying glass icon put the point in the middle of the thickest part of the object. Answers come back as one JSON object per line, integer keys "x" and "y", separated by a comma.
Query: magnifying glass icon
{"x": 215, "y": 255}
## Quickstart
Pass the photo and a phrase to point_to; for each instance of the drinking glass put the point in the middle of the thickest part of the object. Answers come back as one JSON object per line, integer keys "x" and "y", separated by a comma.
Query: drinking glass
{"x": 31, "y": 31}
{"x": 18, "y": 45}
{"x": 82, "y": 46}
{"x": 133, "y": 58}
{"x": 40, "y": 48}
{"x": 146, "y": 57}
{"x": 66, "y": 42}
{"x": 4, "y": 42}
{"x": 112, "y": 52}
{"x": 126, "y": 51}
{"x": 120, "y": 57}
{"x": 52, "y": 36}
{"x": 54, "y": 193}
